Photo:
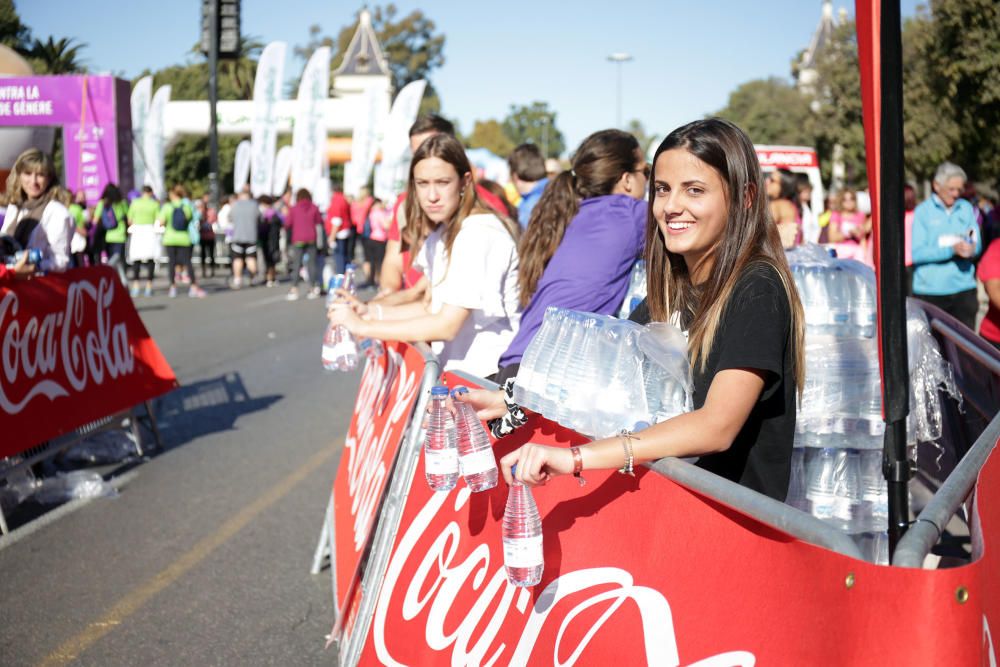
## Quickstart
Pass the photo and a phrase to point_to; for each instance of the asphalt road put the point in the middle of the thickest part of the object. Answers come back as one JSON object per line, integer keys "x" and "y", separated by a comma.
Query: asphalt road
{"x": 204, "y": 557}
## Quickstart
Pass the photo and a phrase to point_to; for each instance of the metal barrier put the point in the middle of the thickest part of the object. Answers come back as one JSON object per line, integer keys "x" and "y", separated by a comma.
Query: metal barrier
{"x": 766, "y": 510}
{"x": 929, "y": 526}
{"x": 48, "y": 450}
{"x": 391, "y": 512}
{"x": 918, "y": 541}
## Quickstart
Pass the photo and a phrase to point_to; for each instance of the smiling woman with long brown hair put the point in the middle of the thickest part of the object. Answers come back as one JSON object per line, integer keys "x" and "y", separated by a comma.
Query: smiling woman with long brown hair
{"x": 716, "y": 268}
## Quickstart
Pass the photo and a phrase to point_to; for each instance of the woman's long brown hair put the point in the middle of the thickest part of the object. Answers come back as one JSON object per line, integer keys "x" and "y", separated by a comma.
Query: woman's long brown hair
{"x": 750, "y": 239}
{"x": 418, "y": 225}
{"x": 597, "y": 166}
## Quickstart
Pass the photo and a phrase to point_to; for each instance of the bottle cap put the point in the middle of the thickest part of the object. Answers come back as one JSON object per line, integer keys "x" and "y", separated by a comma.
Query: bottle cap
{"x": 439, "y": 390}
{"x": 459, "y": 390}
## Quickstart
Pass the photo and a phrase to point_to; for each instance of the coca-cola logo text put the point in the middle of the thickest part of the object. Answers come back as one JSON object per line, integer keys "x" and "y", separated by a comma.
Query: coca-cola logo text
{"x": 60, "y": 352}
{"x": 366, "y": 466}
{"x": 471, "y": 606}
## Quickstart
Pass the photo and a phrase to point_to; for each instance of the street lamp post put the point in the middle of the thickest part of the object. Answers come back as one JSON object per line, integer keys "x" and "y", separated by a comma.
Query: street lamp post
{"x": 619, "y": 59}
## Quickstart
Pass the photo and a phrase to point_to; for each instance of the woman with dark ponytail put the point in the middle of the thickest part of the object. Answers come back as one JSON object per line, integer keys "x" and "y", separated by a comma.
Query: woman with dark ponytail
{"x": 584, "y": 235}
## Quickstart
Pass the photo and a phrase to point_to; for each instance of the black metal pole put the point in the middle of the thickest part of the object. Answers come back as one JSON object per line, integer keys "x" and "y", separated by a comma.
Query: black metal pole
{"x": 213, "y": 98}
{"x": 895, "y": 367}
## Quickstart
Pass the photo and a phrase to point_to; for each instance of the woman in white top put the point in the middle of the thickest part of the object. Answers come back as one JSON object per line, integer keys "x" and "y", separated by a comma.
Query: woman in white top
{"x": 37, "y": 216}
{"x": 469, "y": 258}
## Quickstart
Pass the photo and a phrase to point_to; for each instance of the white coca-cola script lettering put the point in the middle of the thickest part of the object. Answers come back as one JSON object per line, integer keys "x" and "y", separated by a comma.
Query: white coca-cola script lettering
{"x": 439, "y": 581}
{"x": 988, "y": 643}
{"x": 52, "y": 354}
{"x": 366, "y": 470}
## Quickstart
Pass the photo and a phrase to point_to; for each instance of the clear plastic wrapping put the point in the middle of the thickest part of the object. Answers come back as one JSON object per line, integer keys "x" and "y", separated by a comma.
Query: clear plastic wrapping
{"x": 839, "y": 433}
{"x": 597, "y": 374}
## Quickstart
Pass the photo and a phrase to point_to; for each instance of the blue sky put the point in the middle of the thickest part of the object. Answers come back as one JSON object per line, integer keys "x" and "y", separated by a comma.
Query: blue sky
{"x": 688, "y": 56}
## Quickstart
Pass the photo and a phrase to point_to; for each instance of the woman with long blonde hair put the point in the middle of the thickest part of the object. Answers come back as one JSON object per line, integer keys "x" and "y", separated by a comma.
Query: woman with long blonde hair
{"x": 37, "y": 216}
{"x": 469, "y": 259}
{"x": 716, "y": 267}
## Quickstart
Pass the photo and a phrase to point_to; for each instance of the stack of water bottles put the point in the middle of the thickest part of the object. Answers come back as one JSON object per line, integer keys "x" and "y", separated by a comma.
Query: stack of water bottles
{"x": 837, "y": 461}
{"x": 597, "y": 374}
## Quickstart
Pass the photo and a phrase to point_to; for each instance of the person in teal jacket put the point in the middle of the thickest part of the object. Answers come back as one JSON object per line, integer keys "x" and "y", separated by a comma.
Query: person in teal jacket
{"x": 946, "y": 238}
{"x": 177, "y": 240}
{"x": 114, "y": 237}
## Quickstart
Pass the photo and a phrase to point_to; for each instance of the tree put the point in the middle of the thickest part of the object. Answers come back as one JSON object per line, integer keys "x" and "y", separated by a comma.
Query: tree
{"x": 316, "y": 40}
{"x": 638, "y": 130}
{"x": 241, "y": 70}
{"x": 489, "y": 134}
{"x": 770, "y": 111}
{"x": 13, "y": 33}
{"x": 930, "y": 132}
{"x": 838, "y": 117}
{"x": 56, "y": 57}
{"x": 535, "y": 124}
{"x": 412, "y": 49}
{"x": 963, "y": 72}
{"x": 190, "y": 82}
{"x": 187, "y": 163}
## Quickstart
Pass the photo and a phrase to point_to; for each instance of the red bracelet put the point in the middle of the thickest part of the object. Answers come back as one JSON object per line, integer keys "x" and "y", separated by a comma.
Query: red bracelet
{"x": 577, "y": 464}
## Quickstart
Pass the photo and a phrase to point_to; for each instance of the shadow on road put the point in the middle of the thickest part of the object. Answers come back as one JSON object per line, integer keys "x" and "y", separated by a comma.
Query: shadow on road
{"x": 205, "y": 407}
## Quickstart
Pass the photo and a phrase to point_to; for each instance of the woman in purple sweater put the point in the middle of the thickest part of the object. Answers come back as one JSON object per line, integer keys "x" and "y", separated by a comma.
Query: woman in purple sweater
{"x": 302, "y": 222}
{"x": 584, "y": 235}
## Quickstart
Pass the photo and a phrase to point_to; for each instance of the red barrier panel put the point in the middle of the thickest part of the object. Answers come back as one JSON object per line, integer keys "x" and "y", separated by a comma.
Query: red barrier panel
{"x": 386, "y": 397}
{"x": 72, "y": 350}
{"x": 644, "y": 571}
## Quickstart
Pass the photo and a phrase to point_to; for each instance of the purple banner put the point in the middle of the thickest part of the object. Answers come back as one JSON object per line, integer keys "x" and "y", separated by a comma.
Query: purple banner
{"x": 93, "y": 112}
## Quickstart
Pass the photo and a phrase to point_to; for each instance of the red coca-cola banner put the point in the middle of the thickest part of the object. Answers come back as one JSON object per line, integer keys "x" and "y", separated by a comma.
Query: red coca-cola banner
{"x": 72, "y": 350}
{"x": 382, "y": 411}
{"x": 644, "y": 571}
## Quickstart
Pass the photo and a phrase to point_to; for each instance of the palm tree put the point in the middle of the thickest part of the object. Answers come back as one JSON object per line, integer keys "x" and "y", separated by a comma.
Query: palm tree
{"x": 241, "y": 69}
{"x": 57, "y": 57}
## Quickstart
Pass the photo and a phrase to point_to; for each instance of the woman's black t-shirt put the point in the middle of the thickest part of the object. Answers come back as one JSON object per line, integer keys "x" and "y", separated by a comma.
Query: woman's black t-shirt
{"x": 754, "y": 332}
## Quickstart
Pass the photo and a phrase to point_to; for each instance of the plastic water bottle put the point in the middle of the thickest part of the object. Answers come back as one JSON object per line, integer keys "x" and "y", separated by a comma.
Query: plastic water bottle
{"x": 797, "y": 481}
{"x": 350, "y": 278}
{"x": 874, "y": 491}
{"x": 522, "y": 536}
{"x": 340, "y": 352}
{"x": 475, "y": 454}
{"x": 821, "y": 485}
{"x": 440, "y": 451}
{"x": 34, "y": 256}
{"x": 371, "y": 348}
{"x": 532, "y": 377}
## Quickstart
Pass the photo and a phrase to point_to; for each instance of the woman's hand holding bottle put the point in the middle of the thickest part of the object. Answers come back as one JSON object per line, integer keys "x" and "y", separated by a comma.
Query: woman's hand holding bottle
{"x": 536, "y": 464}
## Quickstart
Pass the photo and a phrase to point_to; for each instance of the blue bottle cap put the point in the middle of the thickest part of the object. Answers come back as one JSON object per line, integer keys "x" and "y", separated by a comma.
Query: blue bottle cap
{"x": 459, "y": 390}
{"x": 439, "y": 390}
